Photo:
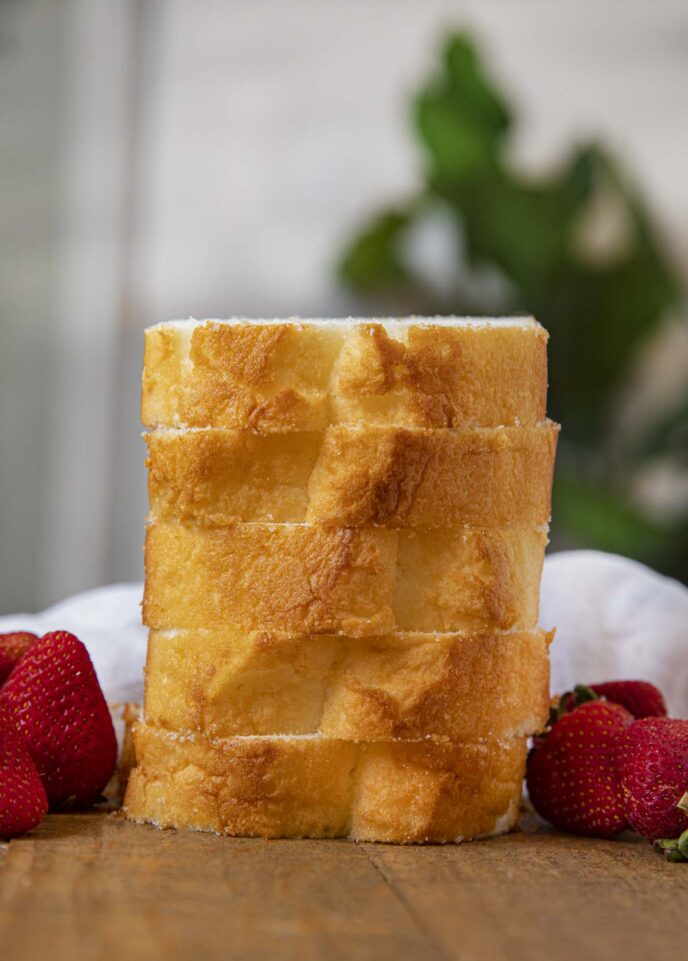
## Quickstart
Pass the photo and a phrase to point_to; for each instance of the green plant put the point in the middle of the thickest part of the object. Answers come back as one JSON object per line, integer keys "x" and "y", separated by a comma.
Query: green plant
{"x": 523, "y": 244}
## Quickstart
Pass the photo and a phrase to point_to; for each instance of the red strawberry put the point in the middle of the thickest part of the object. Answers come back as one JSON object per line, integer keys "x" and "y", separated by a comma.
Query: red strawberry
{"x": 12, "y": 648}
{"x": 571, "y": 776}
{"x": 23, "y": 803}
{"x": 641, "y": 698}
{"x": 652, "y": 761}
{"x": 56, "y": 702}
{"x": 6, "y": 666}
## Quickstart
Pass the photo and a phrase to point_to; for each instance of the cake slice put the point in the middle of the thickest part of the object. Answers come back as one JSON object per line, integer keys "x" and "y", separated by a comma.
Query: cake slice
{"x": 458, "y": 687}
{"x": 304, "y": 374}
{"x": 402, "y": 791}
{"x": 302, "y": 578}
{"x": 352, "y": 477}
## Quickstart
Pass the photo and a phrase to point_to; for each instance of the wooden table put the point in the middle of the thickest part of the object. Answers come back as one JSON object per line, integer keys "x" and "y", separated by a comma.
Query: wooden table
{"x": 92, "y": 886}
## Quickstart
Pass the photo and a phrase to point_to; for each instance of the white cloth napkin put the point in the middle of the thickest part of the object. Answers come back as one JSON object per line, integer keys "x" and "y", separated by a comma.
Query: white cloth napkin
{"x": 615, "y": 619}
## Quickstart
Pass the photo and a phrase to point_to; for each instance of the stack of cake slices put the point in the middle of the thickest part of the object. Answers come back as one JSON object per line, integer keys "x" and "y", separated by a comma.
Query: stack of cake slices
{"x": 343, "y": 559}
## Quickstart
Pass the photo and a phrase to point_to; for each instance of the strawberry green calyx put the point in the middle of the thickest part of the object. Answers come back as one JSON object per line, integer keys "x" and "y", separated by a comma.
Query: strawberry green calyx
{"x": 569, "y": 701}
{"x": 683, "y": 844}
{"x": 683, "y": 803}
{"x": 673, "y": 849}
{"x": 583, "y": 693}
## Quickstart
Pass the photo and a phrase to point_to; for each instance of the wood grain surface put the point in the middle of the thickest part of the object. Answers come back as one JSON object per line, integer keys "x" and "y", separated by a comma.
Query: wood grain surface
{"x": 92, "y": 886}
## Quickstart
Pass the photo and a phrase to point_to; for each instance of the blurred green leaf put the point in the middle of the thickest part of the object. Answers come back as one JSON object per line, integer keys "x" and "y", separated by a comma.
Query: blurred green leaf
{"x": 375, "y": 260}
{"x": 598, "y": 318}
{"x": 667, "y": 437}
{"x": 604, "y": 520}
{"x": 599, "y": 310}
{"x": 526, "y": 229}
{"x": 460, "y": 116}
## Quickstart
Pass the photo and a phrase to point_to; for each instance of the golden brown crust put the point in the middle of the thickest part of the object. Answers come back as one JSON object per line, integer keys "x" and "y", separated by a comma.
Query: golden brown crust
{"x": 398, "y": 791}
{"x": 224, "y": 683}
{"x": 351, "y": 477}
{"x": 303, "y": 376}
{"x": 355, "y": 581}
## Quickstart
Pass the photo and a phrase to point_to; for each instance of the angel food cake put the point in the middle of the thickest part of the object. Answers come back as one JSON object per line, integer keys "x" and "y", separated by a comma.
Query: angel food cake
{"x": 286, "y": 375}
{"x": 343, "y": 558}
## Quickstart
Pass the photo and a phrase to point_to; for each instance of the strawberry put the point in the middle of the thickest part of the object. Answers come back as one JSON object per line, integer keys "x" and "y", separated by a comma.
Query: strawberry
{"x": 23, "y": 803}
{"x": 652, "y": 761}
{"x": 571, "y": 776}
{"x": 56, "y": 702}
{"x": 641, "y": 698}
{"x": 12, "y": 648}
{"x": 6, "y": 666}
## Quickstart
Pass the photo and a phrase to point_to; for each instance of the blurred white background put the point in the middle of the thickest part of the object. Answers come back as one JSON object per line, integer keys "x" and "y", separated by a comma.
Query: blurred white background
{"x": 161, "y": 158}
